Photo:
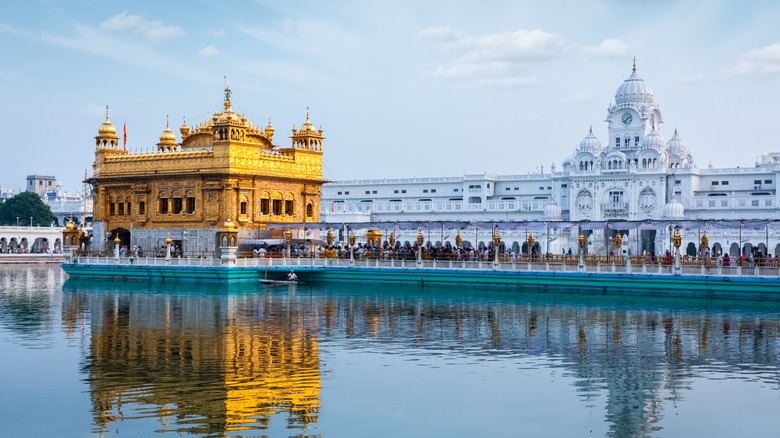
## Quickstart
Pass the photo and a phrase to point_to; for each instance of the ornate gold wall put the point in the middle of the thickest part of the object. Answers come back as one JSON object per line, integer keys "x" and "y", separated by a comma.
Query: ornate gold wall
{"x": 224, "y": 168}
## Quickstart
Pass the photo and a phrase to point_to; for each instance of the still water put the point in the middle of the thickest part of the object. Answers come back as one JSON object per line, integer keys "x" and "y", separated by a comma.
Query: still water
{"x": 81, "y": 358}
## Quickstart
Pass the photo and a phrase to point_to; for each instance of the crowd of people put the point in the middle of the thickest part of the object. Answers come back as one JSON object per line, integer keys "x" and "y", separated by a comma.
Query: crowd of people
{"x": 363, "y": 251}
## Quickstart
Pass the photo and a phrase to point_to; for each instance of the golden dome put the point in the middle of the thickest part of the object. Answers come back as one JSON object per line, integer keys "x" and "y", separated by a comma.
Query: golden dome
{"x": 167, "y": 137}
{"x": 70, "y": 225}
{"x": 269, "y": 130}
{"x": 307, "y": 127}
{"x": 228, "y": 225}
{"x": 184, "y": 129}
{"x": 107, "y": 129}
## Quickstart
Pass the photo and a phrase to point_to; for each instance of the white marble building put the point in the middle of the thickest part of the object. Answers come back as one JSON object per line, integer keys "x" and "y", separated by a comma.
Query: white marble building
{"x": 635, "y": 182}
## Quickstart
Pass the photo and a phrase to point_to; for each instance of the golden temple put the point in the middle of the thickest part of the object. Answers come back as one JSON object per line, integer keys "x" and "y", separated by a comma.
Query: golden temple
{"x": 225, "y": 173}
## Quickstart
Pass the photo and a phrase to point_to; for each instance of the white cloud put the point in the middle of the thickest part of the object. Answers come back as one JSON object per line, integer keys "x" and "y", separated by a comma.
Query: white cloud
{"x": 493, "y": 59}
{"x": 151, "y": 30}
{"x": 758, "y": 62}
{"x": 609, "y": 48}
{"x": 209, "y": 51}
{"x": 90, "y": 40}
{"x": 217, "y": 33}
{"x": 520, "y": 46}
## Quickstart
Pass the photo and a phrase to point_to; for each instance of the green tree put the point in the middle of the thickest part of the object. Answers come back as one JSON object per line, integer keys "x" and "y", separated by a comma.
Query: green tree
{"x": 24, "y": 206}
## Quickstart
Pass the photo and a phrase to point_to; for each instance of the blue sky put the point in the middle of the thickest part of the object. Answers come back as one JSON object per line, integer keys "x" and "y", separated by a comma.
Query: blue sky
{"x": 401, "y": 88}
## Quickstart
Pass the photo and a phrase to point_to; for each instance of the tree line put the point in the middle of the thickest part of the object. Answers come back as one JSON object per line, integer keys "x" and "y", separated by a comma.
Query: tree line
{"x": 23, "y": 206}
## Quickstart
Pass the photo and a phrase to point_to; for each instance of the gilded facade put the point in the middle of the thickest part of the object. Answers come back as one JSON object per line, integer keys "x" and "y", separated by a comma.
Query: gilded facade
{"x": 223, "y": 170}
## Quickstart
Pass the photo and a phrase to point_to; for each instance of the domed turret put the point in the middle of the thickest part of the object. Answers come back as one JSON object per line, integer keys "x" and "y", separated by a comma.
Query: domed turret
{"x": 269, "y": 131}
{"x": 677, "y": 146}
{"x": 552, "y": 211}
{"x": 167, "y": 136}
{"x": 167, "y": 140}
{"x": 307, "y": 137}
{"x": 674, "y": 210}
{"x": 633, "y": 90}
{"x": 590, "y": 144}
{"x": 307, "y": 127}
{"x": 107, "y": 129}
{"x": 653, "y": 140}
{"x": 106, "y": 138}
{"x": 184, "y": 129}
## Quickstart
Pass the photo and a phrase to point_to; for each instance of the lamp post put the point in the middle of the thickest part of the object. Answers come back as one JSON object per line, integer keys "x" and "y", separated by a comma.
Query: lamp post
{"x": 168, "y": 242}
{"x": 116, "y": 247}
{"x": 419, "y": 247}
{"x": 288, "y": 240}
{"x": 17, "y": 221}
{"x": 705, "y": 245}
{"x": 496, "y": 242}
{"x": 581, "y": 245}
{"x": 677, "y": 239}
{"x": 531, "y": 243}
{"x": 351, "y": 241}
{"x": 184, "y": 241}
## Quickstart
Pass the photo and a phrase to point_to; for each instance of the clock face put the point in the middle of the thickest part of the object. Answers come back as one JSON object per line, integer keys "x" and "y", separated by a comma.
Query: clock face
{"x": 627, "y": 117}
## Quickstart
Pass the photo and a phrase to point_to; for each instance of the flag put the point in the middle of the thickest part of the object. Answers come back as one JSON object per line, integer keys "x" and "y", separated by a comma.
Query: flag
{"x": 124, "y": 129}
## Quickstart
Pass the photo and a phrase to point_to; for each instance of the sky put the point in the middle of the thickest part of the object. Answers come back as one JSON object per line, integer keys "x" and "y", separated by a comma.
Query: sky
{"x": 401, "y": 88}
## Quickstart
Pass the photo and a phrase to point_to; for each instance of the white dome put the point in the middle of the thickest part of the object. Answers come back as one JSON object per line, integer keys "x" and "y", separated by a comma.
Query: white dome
{"x": 633, "y": 90}
{"x": 674, "y": 210}
{"x": 616, "y": 154}
{"x": 552, "y": 211}
{"x": 677, "y": 146}
{"x": 653, "y": 140}
{"x": 590, "y": 144}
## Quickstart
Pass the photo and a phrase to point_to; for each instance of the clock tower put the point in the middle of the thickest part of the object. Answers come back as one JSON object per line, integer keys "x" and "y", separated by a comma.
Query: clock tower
{"x": 633, "y": 116}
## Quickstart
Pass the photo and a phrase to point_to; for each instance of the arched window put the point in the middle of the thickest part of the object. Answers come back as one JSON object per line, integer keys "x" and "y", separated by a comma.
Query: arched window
{"x": 309, "y": 210}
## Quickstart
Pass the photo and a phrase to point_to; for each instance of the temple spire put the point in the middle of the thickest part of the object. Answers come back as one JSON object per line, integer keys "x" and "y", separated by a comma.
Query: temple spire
{"x": 634, "y": 67}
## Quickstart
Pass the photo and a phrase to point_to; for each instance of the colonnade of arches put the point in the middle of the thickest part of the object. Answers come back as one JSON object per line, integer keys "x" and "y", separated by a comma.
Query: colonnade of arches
{"x": 24, "y": 245}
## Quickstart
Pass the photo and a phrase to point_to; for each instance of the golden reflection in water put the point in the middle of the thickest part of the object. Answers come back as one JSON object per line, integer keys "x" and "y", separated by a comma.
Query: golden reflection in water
{"x": 213, "y": 364}
{"x": 205, "y": 366}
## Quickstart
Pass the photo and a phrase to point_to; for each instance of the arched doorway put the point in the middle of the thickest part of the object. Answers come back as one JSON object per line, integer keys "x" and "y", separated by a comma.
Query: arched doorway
{"x": 762, "y": 249}
{"x": 690, "y": 250}
{"x": 717, "y": 249}
{"x": 124, "y": 238}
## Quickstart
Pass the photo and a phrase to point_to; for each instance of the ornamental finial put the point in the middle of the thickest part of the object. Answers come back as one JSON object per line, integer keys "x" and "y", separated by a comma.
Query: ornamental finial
{"x": 227, "y": 95}
{"x": 634, "y": 68}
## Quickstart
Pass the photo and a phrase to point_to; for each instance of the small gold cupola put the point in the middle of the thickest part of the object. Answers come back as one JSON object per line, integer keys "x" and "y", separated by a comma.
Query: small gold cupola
{"x": 184, "y": 129}
{"x": 167, "y": 139}
{"x": 269, "y": 131}
{"x": 106, "y": 138}
{"x": 307, "y": 137}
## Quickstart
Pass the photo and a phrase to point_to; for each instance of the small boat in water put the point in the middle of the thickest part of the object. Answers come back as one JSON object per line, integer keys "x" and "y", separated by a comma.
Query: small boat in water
{"x": 268, "y": 281}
